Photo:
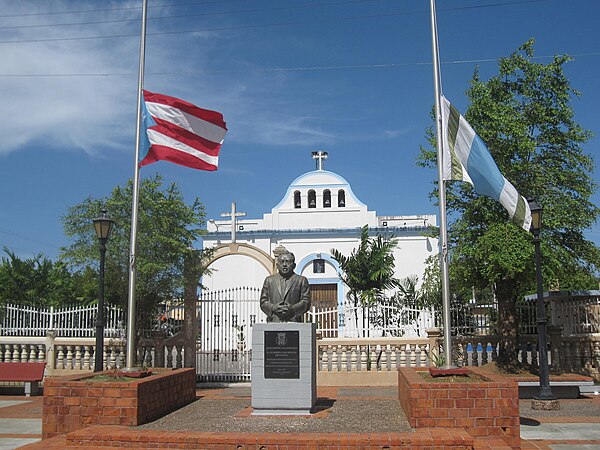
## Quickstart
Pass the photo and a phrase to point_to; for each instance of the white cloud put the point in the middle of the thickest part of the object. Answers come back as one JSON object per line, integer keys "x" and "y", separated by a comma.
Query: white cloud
{"x": 96, "y": 114}
{"x": 45, "y": 98}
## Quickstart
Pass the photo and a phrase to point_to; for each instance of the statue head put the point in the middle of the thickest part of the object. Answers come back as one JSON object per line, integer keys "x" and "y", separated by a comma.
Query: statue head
{"x": 286, "y": 263}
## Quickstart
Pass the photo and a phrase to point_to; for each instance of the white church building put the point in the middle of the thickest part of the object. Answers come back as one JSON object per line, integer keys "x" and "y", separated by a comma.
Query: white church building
{"x": 318, "y": 212}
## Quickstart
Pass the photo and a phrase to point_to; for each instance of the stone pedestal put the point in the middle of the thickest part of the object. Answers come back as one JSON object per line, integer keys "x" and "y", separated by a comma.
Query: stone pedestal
{"x": 284, "y": 372}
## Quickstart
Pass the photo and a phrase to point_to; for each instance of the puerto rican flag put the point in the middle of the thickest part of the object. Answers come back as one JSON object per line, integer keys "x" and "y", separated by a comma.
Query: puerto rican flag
{"x": 177, "y": 131}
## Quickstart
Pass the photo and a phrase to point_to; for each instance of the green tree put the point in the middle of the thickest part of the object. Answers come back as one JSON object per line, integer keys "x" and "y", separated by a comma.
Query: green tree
{"x": 369, "y": 270}
{"x": 37, "y": 281}
{"x": 525, "y": 117}
{"x": 430, "y": 292}
{"x": 167, "y": 230}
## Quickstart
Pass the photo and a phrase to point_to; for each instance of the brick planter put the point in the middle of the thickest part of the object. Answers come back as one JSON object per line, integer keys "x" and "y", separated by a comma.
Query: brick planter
{"x": 484, "y": 408}
{"x": 73, "y": 402}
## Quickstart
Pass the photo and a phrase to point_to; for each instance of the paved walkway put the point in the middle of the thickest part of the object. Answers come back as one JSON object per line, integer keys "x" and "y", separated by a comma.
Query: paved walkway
{"x": 576, "y": 426}
{"x": 20, "y": 420}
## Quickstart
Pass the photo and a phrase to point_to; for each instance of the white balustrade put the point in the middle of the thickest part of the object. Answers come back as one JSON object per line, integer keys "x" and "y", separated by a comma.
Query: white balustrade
{"x": 572, "y": 353}
{"x": 371, "y": 354}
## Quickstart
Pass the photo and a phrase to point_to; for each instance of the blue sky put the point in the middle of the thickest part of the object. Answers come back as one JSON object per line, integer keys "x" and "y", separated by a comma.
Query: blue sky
{"x": 350, "y": 77}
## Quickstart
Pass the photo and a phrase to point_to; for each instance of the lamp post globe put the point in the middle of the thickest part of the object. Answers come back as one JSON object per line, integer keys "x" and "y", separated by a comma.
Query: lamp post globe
{"x": 103, "y": 226}
{"x": 545, "y": 399}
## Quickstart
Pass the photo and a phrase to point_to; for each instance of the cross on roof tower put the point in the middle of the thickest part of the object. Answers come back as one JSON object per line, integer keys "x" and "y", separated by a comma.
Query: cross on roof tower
{"x": 320, "y": 157}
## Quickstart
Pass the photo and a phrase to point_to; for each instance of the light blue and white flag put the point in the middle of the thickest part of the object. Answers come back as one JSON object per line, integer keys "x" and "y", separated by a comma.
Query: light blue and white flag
{"x": 466, "y": 158}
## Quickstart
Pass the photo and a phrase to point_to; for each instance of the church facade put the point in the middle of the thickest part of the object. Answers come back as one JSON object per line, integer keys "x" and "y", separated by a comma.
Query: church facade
{"x": 318, "y": 212}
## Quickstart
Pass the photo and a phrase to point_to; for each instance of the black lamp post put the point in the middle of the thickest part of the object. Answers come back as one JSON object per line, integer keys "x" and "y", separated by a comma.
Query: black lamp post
{"x": 545, "y": 398}
{"x": 103, "y": 226}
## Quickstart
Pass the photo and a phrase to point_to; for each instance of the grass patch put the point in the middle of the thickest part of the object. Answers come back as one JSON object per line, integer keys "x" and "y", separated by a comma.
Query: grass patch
{"x": 109, "y": 379}
{"x": 118, "y": 377}
{"x": 468, "y": 378}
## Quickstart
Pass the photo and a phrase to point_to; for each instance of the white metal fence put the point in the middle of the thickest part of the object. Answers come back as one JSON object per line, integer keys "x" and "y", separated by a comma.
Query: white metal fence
{"x": 579, "y": 314}
{"x": 75, "y": 321}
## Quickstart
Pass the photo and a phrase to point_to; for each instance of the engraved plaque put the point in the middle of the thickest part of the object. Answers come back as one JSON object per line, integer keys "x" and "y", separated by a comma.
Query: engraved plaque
{"x": 282, "y": 354}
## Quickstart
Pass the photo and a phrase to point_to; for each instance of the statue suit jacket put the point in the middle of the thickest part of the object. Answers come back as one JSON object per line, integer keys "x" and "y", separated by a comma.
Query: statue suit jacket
{"x": 296, "y": 295}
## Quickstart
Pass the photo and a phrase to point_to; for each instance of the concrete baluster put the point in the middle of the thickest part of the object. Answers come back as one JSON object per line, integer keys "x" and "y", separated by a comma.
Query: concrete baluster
{"x": 353, "y": 359}
{"x": 120, "y": 356}
{"x": 86, "y": 357}
{"x": 344, "y": 361}
{"x": 384, "y": 358}
{"x": 363, "y": 358}
{"x": 334, "y": 359}
{"x": 373, "y": 357}
{"x": 403, "y": 355}
{"x": 41, "y": 355}
{"x": 393, "y": 357}
{"x": 422, "y": 355}
{"x": 69, "y": 357}
{"x": 113, "y": 357}
{"x": 325, "y": 359}
{"x": 60, "y": 359}
{"x": 534, "y": 355}
{"x": 78, "y": 357}
{"x": 169, "y": 356}
{"x": 413, "y": 355}
{"x": 179, "y": 356}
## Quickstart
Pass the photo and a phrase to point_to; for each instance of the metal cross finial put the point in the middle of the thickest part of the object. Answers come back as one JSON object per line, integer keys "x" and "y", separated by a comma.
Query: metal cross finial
{"x": 234, "y": 215}
{"x": 320, "y": 157}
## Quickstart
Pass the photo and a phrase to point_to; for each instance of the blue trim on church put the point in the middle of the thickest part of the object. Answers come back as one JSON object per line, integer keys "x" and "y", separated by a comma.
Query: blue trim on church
{"x": 416, "y": 230}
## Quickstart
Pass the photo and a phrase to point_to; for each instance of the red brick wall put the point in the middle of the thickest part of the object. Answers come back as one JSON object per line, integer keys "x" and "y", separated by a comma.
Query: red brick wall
{"x": 121, "y": 437}
{"x": 71, "y": 403}
{"x": 488, "y": 408}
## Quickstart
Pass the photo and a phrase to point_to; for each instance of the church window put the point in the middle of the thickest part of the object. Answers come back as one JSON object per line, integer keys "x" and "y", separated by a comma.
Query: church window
{"x": 326, "y": 198}
{"x": 297, "y": 202}
{"x": 312, "y": 199}
{"x": 318, "y": 266}
{"x": 341, "y": 198}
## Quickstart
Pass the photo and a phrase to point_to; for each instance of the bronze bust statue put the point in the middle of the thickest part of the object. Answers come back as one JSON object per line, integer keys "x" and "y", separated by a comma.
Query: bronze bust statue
{"x": 285, "y": 296}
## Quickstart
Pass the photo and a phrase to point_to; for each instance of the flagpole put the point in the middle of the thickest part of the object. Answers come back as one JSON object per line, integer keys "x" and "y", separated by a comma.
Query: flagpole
{"x": 131, "y": 304}
{"x": 442, "y": 192}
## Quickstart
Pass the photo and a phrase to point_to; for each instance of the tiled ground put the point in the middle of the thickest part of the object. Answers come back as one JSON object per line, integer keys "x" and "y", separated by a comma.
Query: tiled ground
{"x": 576, "y": 426}
{"x": 20, "y": 420}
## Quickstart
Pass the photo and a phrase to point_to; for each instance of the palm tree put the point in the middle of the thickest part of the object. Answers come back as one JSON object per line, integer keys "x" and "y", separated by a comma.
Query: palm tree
{"x": 369, "y": 270}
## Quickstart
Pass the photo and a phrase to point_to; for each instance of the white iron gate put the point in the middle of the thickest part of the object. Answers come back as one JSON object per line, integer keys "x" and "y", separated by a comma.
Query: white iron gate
{"x": 226, "y": 318}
